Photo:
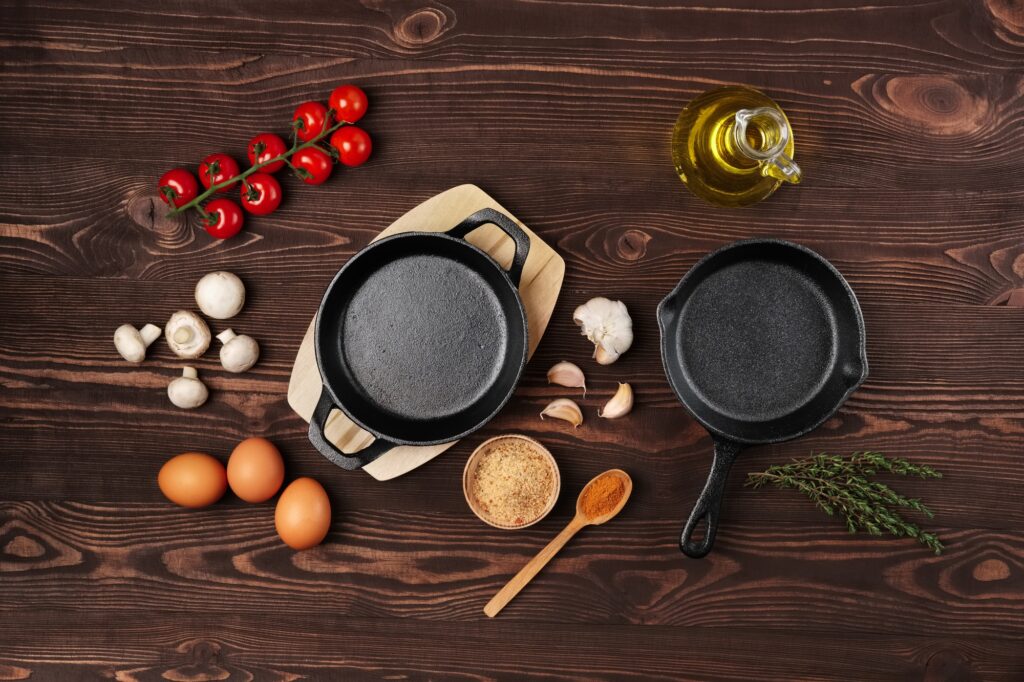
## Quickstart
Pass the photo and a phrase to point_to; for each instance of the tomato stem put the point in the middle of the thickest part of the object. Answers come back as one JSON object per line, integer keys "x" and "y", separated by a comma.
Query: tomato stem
{"x": 255, "y": 168}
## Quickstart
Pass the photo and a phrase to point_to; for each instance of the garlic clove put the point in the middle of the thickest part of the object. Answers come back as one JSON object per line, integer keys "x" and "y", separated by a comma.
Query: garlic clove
{"x": 607, "y": 325}
{"x": 564, "y": 409}
{"x": 567, "y": 374}
{"x": 604, "y": 357}
{"x": 620, "y": 404}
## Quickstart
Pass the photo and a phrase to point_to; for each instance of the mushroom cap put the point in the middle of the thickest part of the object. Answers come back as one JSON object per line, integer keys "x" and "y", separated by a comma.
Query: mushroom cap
{"x": 129, "y": 343}
{"x": 220, "y": 295}
{"x": 187, "y": 391}
{"x": 187, "y": 334}
{"x": 239, "y": 353}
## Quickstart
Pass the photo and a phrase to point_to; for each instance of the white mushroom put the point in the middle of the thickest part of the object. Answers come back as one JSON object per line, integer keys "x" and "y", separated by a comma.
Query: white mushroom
{"x": 608, "y": 326}
{"x": 220, "y": 295}
{"x": 187, "y": 391}
{"x": 239, "y": 351}
{"x": 187, "y": 334}
{"x": 132, "y": 343}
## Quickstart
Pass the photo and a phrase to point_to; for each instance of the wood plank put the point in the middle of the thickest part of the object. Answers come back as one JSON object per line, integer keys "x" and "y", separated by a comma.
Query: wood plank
{"x": 878, "y": 131}
{"x": 810, "y": 578}
{"x": 48, "y": 645}
{"x": 909, "y": 344}
{"x": 95, "y": 459}
{"x": 922, "y": 246}
{"x": 788, "y": 36}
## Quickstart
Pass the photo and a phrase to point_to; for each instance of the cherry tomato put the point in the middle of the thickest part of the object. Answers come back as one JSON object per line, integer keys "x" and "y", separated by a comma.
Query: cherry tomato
{"x": 316, "y": 163}
{"x": 215, "y": 169}
{"x": 348, "y": 102}
{"x": 353, "y": 145}
{"x": 309, "y": 119}
{"x": 266, "y": 146}
{"x": 225, "y": 218}
{"x": 261, "y": 194}
{"x": 177, "y": 187}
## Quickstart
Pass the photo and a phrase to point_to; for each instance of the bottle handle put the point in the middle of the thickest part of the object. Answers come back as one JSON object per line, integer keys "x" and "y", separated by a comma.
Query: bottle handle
{"x": 773, "y": 162}
{"x": 781, "y": 167}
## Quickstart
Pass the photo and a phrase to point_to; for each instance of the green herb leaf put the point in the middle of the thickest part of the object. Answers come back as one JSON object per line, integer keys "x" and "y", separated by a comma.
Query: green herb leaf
{"x": 844, "y": 485}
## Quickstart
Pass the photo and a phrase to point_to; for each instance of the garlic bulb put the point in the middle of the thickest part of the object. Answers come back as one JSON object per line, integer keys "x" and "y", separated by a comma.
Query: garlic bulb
{"x": 569, "y": 375}
{"x": 564, "y": 409}
{"x": 620, "y": 405}
{"x": 608, "y": 326}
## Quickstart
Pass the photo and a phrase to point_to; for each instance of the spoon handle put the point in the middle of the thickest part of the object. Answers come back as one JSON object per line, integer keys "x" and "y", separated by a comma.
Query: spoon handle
{"x": 531, "y": 569}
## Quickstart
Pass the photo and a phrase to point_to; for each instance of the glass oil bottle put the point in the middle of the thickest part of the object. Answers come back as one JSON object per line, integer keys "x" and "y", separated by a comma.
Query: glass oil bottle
{"x": 733, "y": 146}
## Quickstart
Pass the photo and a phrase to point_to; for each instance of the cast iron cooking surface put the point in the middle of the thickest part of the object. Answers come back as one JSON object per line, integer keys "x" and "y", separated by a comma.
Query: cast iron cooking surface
{"x": 401, "y": 326}
{"x": 423, "y": 335}
{"x": 762, "y": 341}
{"x": 757, "y": 339}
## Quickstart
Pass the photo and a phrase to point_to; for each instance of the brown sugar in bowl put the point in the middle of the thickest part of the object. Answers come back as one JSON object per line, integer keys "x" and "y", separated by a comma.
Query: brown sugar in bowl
{"x": 511, "y": 481}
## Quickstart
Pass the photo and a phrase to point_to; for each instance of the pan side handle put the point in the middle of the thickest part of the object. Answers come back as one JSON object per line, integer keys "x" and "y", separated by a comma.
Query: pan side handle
{"x": 318, "y": 438}
{"x": 487, "y": 216}
{"x": 709, "y": 501}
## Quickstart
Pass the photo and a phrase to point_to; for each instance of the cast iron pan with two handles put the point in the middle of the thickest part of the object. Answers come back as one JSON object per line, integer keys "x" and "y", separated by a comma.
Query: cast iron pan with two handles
{"x": 762, "y": 341}
{"x": 420, "y": 339}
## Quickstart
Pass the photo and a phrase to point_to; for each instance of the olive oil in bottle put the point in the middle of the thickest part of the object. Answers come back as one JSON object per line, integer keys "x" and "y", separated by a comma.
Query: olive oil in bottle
{"x": 733, "y": 146}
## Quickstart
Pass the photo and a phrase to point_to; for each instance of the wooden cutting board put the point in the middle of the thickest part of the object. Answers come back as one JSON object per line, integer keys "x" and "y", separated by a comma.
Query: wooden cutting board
{"x": 539, "y": 287}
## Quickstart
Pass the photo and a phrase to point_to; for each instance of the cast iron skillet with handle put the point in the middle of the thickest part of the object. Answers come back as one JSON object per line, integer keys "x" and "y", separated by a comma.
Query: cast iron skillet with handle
{"x": 762, "y": 341}
{"x": 420, "y": 339}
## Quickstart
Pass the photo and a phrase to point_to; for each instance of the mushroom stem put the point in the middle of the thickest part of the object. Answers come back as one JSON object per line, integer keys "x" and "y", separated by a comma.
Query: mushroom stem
{"x": 189, "y": 373}
{"x": 150, "y": 333}
{"x": 226, "y": 335}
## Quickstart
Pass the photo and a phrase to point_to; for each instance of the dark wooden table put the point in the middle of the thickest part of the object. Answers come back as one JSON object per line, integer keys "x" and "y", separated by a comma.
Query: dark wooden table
{"x": 908, "y": 120}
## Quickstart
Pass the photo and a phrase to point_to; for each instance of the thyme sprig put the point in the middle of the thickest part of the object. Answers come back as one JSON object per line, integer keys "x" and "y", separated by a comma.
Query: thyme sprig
{"x": 844, "y": 485}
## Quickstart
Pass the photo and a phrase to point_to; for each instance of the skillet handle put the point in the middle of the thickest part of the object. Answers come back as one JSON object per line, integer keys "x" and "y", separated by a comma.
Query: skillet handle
{"x": 508, "y": 226}
{"x": 356, "y": 460}
{"x": 709, "y": 501}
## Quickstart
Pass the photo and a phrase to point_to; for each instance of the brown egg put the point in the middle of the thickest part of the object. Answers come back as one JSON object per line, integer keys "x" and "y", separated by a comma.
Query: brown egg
{"x": 192, "y": 479}
{"x": 303, "y": 514}
{"x": 255, "y": 470}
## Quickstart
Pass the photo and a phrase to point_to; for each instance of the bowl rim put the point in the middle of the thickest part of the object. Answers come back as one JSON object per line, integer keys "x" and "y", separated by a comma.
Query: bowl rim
{"x": 474, "y": 456}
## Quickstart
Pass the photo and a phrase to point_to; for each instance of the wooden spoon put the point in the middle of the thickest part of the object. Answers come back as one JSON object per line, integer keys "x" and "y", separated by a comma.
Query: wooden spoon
{"x": 519, "y": 581}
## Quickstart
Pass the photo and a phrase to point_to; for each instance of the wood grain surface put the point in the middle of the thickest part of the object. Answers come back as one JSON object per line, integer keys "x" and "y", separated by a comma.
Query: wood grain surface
{"x": 909, "y": 125}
